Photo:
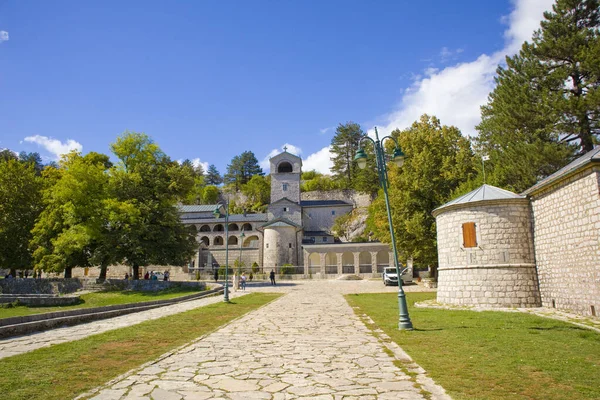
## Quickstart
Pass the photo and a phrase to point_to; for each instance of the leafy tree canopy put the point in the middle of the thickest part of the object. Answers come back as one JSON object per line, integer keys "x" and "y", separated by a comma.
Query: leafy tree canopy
{"x": 241, "y": 169}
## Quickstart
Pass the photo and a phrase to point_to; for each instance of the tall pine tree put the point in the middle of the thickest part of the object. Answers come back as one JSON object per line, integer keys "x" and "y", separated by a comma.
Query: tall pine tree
{"x": 546, "y": 104}
{"x": 213, "y": 177}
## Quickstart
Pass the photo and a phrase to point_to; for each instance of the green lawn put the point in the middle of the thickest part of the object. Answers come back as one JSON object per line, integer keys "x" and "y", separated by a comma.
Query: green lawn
{"x": 65, "y": 370}
{"x": 492, "y": 355}
{"x": 100, "y": 299}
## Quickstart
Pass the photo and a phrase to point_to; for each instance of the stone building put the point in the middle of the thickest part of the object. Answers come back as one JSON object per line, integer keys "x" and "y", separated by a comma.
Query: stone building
{"x": 292, "y": 232}
{"x": 497, "y": 248}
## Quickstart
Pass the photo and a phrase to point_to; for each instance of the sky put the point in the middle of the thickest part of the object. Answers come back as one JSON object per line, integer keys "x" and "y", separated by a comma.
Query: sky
{"x": 208, "y": 80}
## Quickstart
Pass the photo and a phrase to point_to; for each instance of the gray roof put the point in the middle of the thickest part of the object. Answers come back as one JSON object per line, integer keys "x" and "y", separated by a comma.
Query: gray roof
{"x": 587, "y": 158}
{"x": 323, "y": 203}
{"x": 482, "y": 193}
{"x": 317, "y": 233}
{"x": 198, "y": 208}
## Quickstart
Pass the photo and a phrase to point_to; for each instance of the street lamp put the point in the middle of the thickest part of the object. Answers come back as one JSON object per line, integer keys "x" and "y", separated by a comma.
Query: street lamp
{"x": 217, "y": 214}
{"x": 380, "y": 159}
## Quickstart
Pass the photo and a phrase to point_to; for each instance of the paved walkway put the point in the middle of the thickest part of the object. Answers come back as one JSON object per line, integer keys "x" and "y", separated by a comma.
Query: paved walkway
{"x": 307, "y": 344}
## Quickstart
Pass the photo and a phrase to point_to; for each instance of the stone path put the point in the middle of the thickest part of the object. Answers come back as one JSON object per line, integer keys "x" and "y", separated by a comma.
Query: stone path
{"x": 308, "y": 344}
{"x": 23, "y": 344}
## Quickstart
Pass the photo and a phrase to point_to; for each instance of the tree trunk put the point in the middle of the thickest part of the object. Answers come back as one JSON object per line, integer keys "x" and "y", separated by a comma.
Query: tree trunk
{"x": 136, "y": 271}
{"x": 68, "y": 273}
{"x": 13, "y": 272}
{"x": 103, "y": 269}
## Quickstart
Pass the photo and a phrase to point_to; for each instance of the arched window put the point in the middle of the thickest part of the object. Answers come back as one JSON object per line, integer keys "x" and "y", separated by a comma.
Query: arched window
{"x": 232, "y": 240}
{"x": 383, "y": 260}
{"x": 251, "y": 241}
{"x": 331, "y": 263}
{"x": 218, "y": 228}
{"x": 205, "y": 241}
{"x": 347, "y": 263}
{"x": 205, "y": 228}
{"x": 284, "y": 167}
{"x": 218, "y": 241}
{"x": 247, "y": 227}
{"x": 234, "y": 227}
{"x": 365, "y": 266}
{"x": 314, "y": 263}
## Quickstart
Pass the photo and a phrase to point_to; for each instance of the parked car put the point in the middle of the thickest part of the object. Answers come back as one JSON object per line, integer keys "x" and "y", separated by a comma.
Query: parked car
{"x": 390, "y": 277}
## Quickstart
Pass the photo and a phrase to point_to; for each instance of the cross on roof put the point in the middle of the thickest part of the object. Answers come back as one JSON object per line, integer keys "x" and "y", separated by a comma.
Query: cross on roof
{"x": 285, "y": 148}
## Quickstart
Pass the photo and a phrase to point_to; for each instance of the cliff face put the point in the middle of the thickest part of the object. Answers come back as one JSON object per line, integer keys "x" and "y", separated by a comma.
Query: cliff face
{"x": 360, "y": 201}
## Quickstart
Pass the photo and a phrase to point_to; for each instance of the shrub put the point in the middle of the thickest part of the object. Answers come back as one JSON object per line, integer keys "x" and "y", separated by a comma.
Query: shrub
{"x": 255, "y": 267}
{"x": 286, "y": 269}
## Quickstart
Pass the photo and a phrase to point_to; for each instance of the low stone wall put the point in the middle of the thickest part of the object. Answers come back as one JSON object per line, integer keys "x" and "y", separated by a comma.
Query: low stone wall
{"x": 40, "y": 286}
{"x": 49, "y": 300}
{"x": 492, "y": 286}
{"x": 143, "y": 285}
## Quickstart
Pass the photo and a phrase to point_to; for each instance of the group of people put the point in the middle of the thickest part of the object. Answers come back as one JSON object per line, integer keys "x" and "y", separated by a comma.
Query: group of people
{"x": 241, "y": 283}
{"x": 153, "y": 276}
{"x": 21, "y": 274}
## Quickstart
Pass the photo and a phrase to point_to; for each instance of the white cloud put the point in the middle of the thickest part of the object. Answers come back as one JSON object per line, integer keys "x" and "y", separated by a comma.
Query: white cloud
{"x": 325, "y": 130}
{"x": 454, "y": 94}
{"x": 55, "y": 146}
{"x": 3, "y": 36}
{"x": 290, "y": 148}
{"x": 319, "y": 161}
{"x": 447, "y": 55}
{"x": 196, "y": 162}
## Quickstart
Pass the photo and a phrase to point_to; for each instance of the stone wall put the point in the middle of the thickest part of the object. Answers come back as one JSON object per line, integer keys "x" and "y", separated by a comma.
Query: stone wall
{"x": 39, "y": 286}
{"x": 321, "y": 218}
{"x": 567, "y": 242}
{"x": 357, "y": 199}
{"x": 500, "y": 270}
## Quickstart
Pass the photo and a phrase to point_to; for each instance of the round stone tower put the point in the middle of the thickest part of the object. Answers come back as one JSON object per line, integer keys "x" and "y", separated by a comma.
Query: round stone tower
{"x": 485, "y": 250}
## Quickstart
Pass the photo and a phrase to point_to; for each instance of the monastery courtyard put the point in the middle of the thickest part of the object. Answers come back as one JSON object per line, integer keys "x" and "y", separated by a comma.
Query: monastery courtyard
{"x": 307, "y": 344}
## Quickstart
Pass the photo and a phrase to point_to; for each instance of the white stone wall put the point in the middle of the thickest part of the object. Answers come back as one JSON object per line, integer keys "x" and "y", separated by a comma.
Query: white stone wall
{"x": 350, "y": 196}
{"x": 567, "y": 243}
{"x": 277, "y": 250}
{"x": 500, "y": 271}
{"x": 293, "y": 186}
{"x": 321, "y": 218}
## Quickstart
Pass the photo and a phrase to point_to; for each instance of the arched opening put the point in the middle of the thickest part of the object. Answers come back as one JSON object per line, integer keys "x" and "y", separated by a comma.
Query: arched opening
{"x": 331, "y": 263}
{"x": 205, "y": 228}
{"x": 284, "y": 167}
{"x": 347, "y": 263}
{"x": 218, "y": 228}
{"x": 364, "y": 263}
{"x": 314, "y": 263}
{"x": 232, "y": 240}
{"x": 234, "y": 227}
{"x": 251, "y": 241}
{"x": 205, "y": 241}
{"x": 383, "y": 260}
{"x": 218, "y": 241}
{"x": 246, "y": 227}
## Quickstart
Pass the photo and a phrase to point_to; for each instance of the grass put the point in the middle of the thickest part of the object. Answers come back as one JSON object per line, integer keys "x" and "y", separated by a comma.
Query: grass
{"x": 65, "y": 370}
{"x": 101, "y": 299}
{"x": 492, "y": 355}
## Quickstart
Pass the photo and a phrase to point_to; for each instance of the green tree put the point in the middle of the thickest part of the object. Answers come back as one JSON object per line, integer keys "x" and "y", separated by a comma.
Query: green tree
{"x": 146, "y": 186}
{"x": 72, "y": 226}
{"x": 211, "y": 194}
{"x": 546, "y": 103}
{"x": 258, "y": 192}
{"x": 341, "y": 226}
{"x": 196, "y": 193}
{"x": 344, "y": 145}
{"x": 438, "y": 160}
{"x": 213, "y": 177}
{"x": 313, "y": 180}
{"x": 20, "y": 205}
{"x": 241, "y": 169}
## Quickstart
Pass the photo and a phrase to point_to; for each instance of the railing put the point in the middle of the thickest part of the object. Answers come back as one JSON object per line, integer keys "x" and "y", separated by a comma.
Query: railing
{"x": 331, "y": 269}
{"x": 348, "y": 269}
{"x": 365, "y": 269}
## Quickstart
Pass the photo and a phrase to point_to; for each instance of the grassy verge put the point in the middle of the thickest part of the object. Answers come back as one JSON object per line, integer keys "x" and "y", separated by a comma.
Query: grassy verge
{"x": 492, "y": 355}
{"x": 66, "y": 370}
{"x": 101, "y": 299}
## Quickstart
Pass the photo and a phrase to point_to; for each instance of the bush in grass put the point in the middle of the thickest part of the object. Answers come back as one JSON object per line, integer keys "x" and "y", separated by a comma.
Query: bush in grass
{"x": 255, "y": 267}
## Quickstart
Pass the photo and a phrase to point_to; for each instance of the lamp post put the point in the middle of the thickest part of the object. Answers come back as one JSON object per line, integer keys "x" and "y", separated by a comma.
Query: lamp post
{"x": 380, "y": 160}
{"x": 217, "y": 214}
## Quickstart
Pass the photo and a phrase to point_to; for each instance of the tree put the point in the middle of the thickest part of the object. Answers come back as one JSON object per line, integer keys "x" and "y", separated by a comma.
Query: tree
{"x": 241, "y": 169}
{"x": 213, "y": 177}
{"x": 211, "y": 195}
{"x": 20, "y": 205}
{"x": 345, "y": 143}
{"x": 438, "y": 160}
{"x": 71, "y": 229}
{"x": 341, "y": 226}
{"x": 258, "y": 192}
{"x": 145, "y": 186}
{"x": 546, "y": 104}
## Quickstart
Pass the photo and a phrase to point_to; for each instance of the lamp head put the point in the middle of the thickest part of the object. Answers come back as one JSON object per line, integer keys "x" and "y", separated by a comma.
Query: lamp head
{"x": 217, "y": 212}
{"x": 398, "y": 157}
{"x": 361, "y": 158}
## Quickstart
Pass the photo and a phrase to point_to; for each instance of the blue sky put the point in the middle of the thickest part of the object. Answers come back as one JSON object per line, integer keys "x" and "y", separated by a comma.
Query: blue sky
{"x": 209, "y": 80}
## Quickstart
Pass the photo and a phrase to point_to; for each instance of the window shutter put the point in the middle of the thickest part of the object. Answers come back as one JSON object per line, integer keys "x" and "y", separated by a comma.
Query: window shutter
{"x": 469, "y": 234}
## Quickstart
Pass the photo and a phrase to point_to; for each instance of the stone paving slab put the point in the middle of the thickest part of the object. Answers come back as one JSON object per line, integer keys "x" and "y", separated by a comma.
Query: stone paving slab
{"x": 308, "y": 344}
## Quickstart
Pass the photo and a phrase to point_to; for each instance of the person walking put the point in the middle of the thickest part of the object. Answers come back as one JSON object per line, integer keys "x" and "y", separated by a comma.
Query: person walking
{"x": 216, "y": 275}
{"x": 243, "y": 281}
{"x": 272, "y": 276}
